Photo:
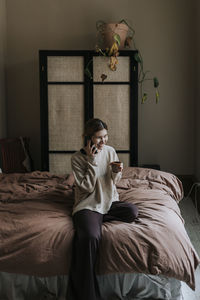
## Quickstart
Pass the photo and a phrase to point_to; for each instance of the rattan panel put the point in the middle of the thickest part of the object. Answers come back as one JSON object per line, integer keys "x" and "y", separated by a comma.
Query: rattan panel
{"x": 60, "y": 163}
{"x": 125, "y": 158}
{"x": 65, "y": 68}
{"x": 111, "y": 104}
{"x": 101, "y": 66}
{"x": 66, "y": 116}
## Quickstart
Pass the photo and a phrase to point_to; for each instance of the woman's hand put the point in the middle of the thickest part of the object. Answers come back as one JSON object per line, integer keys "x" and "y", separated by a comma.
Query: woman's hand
{"x": 117, "y": 166}
{"x": 91, "y": 150}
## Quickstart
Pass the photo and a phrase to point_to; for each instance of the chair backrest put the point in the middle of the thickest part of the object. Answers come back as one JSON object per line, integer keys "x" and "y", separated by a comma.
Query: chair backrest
{"x": 14, "y": 155}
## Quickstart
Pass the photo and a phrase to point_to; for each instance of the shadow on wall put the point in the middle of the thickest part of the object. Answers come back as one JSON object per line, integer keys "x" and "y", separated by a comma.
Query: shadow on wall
{"x": 23, "y": 105}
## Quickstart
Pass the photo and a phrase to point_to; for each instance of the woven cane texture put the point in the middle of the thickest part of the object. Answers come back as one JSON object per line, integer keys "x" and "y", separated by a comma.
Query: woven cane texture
{"x": 101, "y": 66}
{"x": 125, "y": 158}
{"x": 66, "y": 116}
{"x": 111, "y": 104}
{"x": 65, "y": 68}
{"x": 60, "y": 163}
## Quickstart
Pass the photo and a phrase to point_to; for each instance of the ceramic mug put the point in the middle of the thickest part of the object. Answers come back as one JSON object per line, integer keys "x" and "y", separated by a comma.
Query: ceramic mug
{"x": 115, "y": 166}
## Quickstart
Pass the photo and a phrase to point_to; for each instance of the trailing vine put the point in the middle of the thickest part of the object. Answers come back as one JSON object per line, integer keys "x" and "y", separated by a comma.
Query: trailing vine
{"x": 113, "y": 52}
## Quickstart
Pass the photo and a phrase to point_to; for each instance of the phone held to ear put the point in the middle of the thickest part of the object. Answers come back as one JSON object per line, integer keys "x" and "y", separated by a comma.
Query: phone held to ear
{"x": 86, "y": 141}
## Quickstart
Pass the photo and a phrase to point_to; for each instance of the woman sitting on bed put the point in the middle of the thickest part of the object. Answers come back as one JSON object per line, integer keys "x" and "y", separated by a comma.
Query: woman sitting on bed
{"x": 96, "y": 201}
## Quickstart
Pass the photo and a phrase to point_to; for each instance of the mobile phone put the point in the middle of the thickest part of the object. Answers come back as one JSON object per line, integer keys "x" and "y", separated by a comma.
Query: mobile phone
{"x": 86, "y": 141}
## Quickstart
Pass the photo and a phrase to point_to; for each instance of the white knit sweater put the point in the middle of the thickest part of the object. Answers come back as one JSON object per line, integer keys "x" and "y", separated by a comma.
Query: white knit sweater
{"x": 95, "y": 182}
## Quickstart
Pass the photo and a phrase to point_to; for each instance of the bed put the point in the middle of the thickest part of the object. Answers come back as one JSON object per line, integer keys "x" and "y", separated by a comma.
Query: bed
{"x": 146, "y": 259}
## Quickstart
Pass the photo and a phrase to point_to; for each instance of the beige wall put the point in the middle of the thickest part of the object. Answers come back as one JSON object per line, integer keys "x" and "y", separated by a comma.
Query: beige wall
{"x": 197, "y": 98}
{"x": 2, "y": 68}
{"x": 164, "y": 34}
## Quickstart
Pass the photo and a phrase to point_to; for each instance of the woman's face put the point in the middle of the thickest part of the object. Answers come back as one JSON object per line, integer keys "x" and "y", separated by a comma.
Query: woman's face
{"x": 100, "y": 138}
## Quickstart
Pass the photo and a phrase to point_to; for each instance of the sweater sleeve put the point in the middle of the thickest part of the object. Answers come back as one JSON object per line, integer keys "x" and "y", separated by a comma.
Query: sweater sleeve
{"x": 85, "y": 178}
{"x": 116, "y": 176}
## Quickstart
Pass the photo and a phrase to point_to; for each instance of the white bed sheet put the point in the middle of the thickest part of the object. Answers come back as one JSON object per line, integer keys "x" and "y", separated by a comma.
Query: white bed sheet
{"x": 112, "y": 287}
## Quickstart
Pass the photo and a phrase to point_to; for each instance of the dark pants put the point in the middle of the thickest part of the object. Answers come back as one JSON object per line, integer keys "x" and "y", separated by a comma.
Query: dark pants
{"x": 82, "y": 282}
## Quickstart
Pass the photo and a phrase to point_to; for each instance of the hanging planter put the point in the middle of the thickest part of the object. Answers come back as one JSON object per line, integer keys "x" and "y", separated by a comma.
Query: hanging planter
{"x": 112, "y": 37}
{"x": 113, "y": 32}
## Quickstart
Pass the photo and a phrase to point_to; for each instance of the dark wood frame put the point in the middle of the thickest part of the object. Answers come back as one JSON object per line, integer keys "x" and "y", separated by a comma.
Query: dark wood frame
{"x": 88, "y": 99}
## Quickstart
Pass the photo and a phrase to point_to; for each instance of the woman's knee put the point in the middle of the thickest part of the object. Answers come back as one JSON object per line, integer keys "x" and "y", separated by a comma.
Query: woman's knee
{"x": 90, "y": 236}
{"x": 132, "y": 212}
{"x": 88, "y": 225}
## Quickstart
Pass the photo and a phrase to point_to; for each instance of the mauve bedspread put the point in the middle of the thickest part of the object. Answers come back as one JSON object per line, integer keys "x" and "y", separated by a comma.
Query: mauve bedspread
{"x": 36, "y": 229}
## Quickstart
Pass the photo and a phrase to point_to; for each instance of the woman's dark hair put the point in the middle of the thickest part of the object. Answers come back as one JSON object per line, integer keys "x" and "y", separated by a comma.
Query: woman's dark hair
{"x": 94, "y": 125}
